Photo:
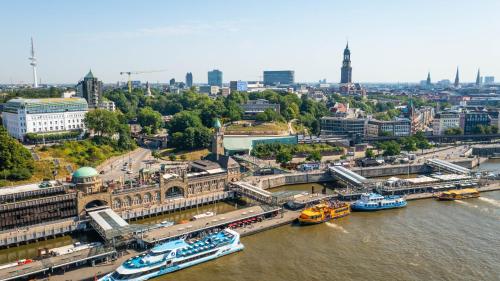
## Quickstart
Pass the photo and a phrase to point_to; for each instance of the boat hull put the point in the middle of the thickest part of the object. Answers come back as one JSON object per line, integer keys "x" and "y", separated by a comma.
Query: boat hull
{"x": 443, "y": 198}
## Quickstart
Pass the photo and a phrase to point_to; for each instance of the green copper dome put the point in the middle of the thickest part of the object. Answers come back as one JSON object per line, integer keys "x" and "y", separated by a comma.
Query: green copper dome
{"x": 85, "y": 172}
{"x": 217, "y": 124}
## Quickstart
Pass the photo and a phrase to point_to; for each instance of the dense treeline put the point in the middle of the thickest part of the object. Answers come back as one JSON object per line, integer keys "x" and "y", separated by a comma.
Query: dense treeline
{"x": 412, "y": 143}
{"x": 194, "y": 114}
{"x": 16, "y": 162}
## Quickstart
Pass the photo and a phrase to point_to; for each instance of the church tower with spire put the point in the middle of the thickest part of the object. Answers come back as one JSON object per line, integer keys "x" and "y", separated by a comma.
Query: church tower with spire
{"x": 478, "y": 78}
{"x": 429, "y": 82}
{"x": 346, "y": 70}
{"x": 457, "y": 80}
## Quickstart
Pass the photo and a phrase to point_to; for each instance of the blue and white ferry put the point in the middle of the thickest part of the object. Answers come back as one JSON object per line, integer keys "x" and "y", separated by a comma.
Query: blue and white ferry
{"x": 175, "y": 255}
{"x": 374, "y": 202}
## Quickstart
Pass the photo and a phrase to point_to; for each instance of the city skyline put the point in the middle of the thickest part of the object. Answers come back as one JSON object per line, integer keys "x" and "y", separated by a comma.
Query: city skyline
{"x": 242, "y": 45}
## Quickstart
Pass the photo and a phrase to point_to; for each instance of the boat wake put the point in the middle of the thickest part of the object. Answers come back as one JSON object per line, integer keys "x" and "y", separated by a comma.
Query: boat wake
{"x": 490, "y": 201}
{"x": 336, "y": 226}
{"x": 467, "y": 204}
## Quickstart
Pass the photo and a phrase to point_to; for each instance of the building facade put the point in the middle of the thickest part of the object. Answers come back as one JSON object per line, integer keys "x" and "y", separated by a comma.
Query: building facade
{"x": 240, "y": 86}
{"x": 215, "y": 78}
{"x": 444, "y": 121}
{"x": 41, "y": 116}
{"x": 90, "y": 88}
{"x": 400, "y": 127}
{"x": 279, "y": 77}
{"x": 343, "y": 126}
{"x": 253, "y": 107}
{"x": 473, "y": 119}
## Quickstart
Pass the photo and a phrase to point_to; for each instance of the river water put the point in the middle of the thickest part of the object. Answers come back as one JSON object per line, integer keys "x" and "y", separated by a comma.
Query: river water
{"x": 428, "y": 240}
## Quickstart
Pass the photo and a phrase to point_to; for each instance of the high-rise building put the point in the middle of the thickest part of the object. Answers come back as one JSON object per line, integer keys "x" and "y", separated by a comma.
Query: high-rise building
{"x": 346, "y": 70}
{"x": 457, "y": 80}
{"x": 489, "y": 79}
{"x": 90, "y": 88}
{"x": 478, "y": 78}
{"x": 279, "y": 77}
{"x": 172, "y": 82}
{"x": 240, "y": 86}
{"x": 189, "y": 79}
{"x": 215, "y": 78}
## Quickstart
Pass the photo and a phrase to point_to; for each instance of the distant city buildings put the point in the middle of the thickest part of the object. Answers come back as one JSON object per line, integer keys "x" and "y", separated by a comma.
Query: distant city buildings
{"x": 240, "y": 86}
{"x": 279, "y": 77}
{"x": 215, "y": 78}
{"x": 50, "y": 115}
{"x": 189, "y": 79}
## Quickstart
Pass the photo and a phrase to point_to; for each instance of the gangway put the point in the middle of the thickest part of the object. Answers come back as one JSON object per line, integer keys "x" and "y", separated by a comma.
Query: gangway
{"x": 347, "y": 176}
{"x": 109, "y": 225}
{"x": 254, "y": 192}
{"x": 446, "y": 166}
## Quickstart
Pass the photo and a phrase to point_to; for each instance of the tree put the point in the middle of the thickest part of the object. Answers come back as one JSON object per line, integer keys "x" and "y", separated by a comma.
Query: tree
{"x": 183, "y": 120}
{"x": 16, "y": 162}
{"x": 102, "y": 122}
{"x": 147, "y": 117}
{"x": 314, "y": 156}
{"x": 391, "y": 148}
{"x": 172, "y": 157}
{"x": 284, "y": 156}
{"x": 369, "y": 153}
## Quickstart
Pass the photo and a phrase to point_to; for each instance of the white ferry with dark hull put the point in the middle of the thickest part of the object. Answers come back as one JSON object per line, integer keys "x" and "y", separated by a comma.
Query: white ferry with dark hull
{"x": 374, "y": 202}
{"x": 176, "y": 255}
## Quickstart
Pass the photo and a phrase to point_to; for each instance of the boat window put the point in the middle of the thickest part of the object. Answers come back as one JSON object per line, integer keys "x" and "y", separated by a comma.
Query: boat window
{"x": 154, "y": 254}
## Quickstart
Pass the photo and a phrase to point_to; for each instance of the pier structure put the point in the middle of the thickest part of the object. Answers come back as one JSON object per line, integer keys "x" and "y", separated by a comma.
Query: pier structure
{"x": 59, "y": 263}
{"x": 149, "y": 238}
{"x": 445, "y": 166}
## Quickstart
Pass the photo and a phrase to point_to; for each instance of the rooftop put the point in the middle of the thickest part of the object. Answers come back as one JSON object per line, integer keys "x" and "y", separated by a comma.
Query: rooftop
{"x": 85, "y": 172}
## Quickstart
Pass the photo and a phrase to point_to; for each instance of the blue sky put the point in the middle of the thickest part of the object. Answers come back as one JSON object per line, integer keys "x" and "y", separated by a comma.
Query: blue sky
{"x": 390, "y": 41}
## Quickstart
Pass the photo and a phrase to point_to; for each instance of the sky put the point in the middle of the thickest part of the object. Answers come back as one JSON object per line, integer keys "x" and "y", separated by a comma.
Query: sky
{"x": 390, "y": 41}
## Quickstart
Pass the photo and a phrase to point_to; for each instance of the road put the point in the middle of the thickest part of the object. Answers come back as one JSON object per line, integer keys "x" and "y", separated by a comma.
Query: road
{"x": 135, "y": 160}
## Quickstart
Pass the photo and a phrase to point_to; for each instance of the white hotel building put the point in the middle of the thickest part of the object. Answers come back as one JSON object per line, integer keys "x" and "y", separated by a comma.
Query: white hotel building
{"x": 51, "y": 115}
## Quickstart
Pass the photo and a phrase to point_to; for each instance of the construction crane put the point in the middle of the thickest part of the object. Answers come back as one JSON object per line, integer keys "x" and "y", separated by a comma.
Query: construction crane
{"x": 129, "y": 73}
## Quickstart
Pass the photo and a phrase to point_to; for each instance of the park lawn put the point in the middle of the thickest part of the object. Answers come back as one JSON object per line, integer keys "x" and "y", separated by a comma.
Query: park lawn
{"x": 264, "y": 127}
{"x": 191, "y": 155}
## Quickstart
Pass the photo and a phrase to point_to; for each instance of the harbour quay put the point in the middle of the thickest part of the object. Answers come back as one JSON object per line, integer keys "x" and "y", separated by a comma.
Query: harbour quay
{"x": 58, "y": 264}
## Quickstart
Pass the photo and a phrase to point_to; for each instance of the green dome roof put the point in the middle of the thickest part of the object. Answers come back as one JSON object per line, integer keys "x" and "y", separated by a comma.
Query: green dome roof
{"x": 85, "y": 172}
{"x": 217, "y": 124}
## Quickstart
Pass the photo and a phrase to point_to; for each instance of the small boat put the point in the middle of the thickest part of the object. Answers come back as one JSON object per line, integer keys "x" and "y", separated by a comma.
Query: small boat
{"x": 324, "y": 212}
{"x": 203, "y": 215}
{"x": 175, "y": 255}
{"x": 458, "y": 194}
{"x": 375, "y": 202}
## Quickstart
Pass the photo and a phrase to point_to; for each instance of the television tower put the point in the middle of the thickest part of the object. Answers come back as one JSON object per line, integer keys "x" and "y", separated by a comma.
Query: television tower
{"x": 33, "y": 63}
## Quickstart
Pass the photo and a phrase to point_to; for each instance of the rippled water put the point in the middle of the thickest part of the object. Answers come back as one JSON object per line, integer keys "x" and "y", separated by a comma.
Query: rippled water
{"x": 428, "y": 240}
